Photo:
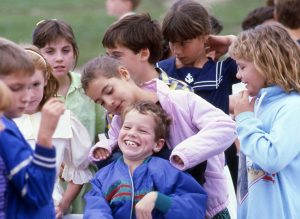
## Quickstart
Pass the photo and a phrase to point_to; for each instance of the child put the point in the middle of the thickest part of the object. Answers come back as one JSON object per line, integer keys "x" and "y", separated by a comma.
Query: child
{"x": 5, "y": 102}
{"x": 268, "y": 125}
{"x": 30, "y": 174}
{"x": 286, "y": 12}
{"x": 56, "y": 40}
{"x": 187, "y": 27}
{"x": 144, "y": 130}
{"x": 71, "y": 139}
{"x": 121, "y": 8}
{"x": 136, "y": 41}
{"x": 196, "y": 135}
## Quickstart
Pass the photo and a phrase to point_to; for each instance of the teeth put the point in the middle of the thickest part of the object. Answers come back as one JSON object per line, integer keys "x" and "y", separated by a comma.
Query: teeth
{"x": 130, "y": 143}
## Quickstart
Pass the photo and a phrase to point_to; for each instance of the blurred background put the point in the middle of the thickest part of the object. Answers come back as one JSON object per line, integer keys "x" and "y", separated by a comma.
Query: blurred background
{"x": 89, "y": 20}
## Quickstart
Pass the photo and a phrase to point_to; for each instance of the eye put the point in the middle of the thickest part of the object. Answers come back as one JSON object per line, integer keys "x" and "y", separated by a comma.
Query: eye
{"x": 143, "y": 131}
{"x": 36, "y": 84}
{"x": 109, "y": 90}
{"x": 49, "y": 51}
{"x": 126, "y": 127}
{"x": 66, "y": 50}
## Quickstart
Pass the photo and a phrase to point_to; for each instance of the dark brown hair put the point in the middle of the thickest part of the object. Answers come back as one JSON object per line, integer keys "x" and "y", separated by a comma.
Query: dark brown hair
{"x": 258, "y": 16}
{"x": 185, "y": 20}
{"x": 287, "y": 13}
{"x": 48, "y": 31}
{"x": 161, "y": 118}
{"x": 136, "y": 32}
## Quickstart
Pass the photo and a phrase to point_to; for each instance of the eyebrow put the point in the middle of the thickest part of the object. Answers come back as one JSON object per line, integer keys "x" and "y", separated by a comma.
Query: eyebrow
{"x": 101, "y": 92}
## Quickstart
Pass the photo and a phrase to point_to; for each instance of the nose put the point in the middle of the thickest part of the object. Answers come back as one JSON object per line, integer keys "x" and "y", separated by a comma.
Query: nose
{"x": 26, "y": 95}
{"x": 59, "y": 57}
{"x": 109, "y": 104}
{"x": 131, "y": 133}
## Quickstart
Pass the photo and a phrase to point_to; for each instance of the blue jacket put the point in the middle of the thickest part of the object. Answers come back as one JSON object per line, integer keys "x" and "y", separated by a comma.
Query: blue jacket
{"x": 179, "y": 195}
{"x": 31, "y": 175}
{"x": 269, "y": 179}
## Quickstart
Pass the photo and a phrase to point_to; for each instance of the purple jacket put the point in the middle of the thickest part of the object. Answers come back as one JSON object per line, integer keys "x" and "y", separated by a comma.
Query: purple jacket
{"x": 199, "y": 132}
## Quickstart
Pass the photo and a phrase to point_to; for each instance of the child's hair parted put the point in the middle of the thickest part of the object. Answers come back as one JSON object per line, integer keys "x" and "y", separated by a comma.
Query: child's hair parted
{"x": 48, "y": 31}
{"x": 5, "y": 97}
{"x": 274, "y": 53}
{"x": 13, "y": 59}
{"x": 287, "y": 13}
{"x": 186, "y": 20}
{"x": 104, "y": 66}
{"x": 136, "y": 32}
{"x": 161, "y": 118}
{"x": 40, "y": 63}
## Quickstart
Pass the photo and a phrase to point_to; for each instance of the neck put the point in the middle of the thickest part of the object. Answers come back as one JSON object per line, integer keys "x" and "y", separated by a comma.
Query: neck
{"x": 132, "y": 165}
{"x": 64, "y": 85}
{"x": 148, "y": 73}
{"x": 294, "y": 33}
{"x": 198, "y": 63}
{"x": 146, "y": 95}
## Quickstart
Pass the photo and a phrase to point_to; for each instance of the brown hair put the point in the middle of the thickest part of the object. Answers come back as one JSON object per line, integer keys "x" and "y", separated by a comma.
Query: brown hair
{"x": 40, "y": 63}
{"x": 104, "y": 66}
{"x": 274, "y": 53}
{"x": 13, "y": 59}
{"x": 161, "y": 118}
{"x": 48, "y": 31}
{"x": 258, "y": 16}
{"x": 185, "y": 20}
{"x": 136, "y": 32}
{"x": 287, "y": 13}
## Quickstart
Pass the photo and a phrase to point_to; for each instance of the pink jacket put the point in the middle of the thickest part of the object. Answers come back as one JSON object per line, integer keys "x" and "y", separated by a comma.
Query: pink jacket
{"x": 199, "y": 132}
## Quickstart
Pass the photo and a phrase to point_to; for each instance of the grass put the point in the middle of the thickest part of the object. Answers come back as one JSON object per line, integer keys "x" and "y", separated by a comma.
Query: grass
{"x": 89, "y": 20}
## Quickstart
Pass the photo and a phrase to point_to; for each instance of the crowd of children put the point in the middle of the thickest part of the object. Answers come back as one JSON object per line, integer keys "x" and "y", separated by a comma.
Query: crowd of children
{"x": 171, "y": 125}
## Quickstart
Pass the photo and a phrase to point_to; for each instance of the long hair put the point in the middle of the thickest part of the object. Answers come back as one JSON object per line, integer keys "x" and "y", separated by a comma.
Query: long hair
{"x": 275, "y": 55}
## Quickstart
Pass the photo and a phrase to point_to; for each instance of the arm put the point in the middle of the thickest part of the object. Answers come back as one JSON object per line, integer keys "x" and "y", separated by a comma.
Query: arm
{"x": 107, "y": 145}
{"x": 219, "y": 44}
{"x": 32, "y": 174}
{"x": 69, "y": 195}
{"x": 178, "y": 195}
{"x": 96, "y": 205}
{"x": 214, "y": 132}
{"x": 273, "y": 149}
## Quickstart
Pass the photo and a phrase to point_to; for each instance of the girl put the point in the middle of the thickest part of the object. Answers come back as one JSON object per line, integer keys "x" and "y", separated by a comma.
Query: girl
{"x": 56, "y": 40}
{"x": 199, "y": 132}
{"x": 268, "y": 125}
{"x": 71, "y": 139}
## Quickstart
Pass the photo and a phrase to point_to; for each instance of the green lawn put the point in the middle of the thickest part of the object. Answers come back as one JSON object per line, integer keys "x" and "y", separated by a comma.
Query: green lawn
{"x": 89, "y": 20}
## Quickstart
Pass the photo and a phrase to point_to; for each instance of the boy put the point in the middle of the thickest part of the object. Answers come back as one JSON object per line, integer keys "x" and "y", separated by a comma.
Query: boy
{"x": 31, "y": 174}
{"x": 138, "y": 185}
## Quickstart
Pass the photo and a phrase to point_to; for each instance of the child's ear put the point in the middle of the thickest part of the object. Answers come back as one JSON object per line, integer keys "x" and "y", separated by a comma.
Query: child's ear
{"x": 124, "y": 73}
{"x": 144, "y": 54}
{"x": 159, "y": 145}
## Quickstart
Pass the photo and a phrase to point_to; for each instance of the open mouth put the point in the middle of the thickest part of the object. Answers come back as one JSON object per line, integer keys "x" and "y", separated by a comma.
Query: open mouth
{"x": 130, "y": 143}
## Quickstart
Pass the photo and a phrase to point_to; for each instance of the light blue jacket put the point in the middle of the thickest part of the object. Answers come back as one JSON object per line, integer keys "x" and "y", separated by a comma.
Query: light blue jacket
{"x": 269, "y": 178}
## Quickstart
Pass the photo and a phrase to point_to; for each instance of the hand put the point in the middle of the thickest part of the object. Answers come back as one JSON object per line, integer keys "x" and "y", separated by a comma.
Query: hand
{"x": 242, "y": 103}
{"x": 219, "y": 45}
{"x": 51, "y": 112}
{"x": 60, "y": 210}
{"x": 177, "y": 160}
{"x": 143, "y": 209}
{"x": 101, "y": 153}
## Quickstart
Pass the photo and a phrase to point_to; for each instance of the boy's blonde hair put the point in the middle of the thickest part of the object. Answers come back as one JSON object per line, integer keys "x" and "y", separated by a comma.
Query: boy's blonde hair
{"x": 13, "y": 59}
{"x": 40, "y": 63}
{"x": 275, "y": 55}
{"x": 5, "y": 98}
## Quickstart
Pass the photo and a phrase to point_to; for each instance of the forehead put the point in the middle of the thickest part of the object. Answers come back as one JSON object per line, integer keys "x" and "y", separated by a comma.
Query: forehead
{"x": 96, "y": 86}
{"x": 59, "y": 42}
{"x": 19, "y": 77}
{"x": 119, "y": 49}
{"x": 135, "y": 117}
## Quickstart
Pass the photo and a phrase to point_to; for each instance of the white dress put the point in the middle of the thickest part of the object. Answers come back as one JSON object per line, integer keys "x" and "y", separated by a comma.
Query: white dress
{"x": 72, "y": 143}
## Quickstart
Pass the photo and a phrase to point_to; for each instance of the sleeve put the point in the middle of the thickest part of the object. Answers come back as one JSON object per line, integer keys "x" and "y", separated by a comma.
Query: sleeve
{"x": 215, "y": 132}
{"x": 272, "y": 150}
{"x": 111, "y": 143}
{"x": 231, "y": 70}
{"x": 100, "y": 119}
{"x": 179, "y": 195}
{"x": 32, "y": 174}
{"x": 96, "y": 205}
{"x": 76, "y": 156}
